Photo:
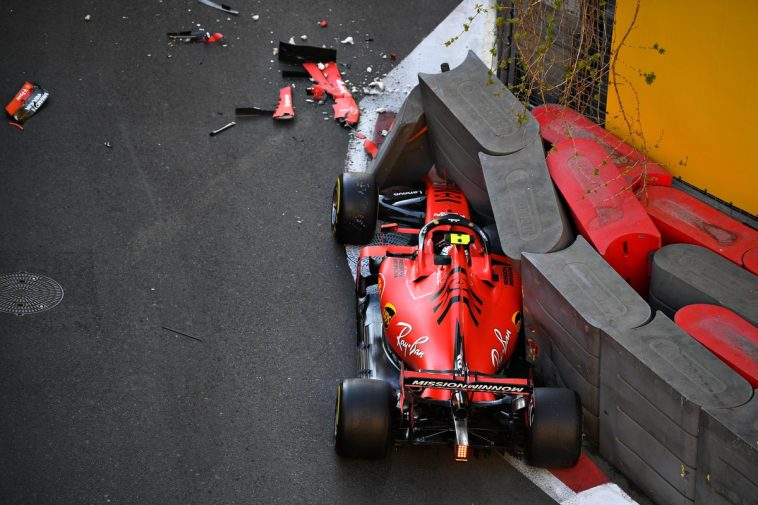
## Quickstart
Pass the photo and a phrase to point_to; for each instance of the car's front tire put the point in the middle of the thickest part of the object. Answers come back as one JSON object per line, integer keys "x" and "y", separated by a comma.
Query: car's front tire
{"x": 362, "y": 424}
{"x": 354, "y": 208}
{"x": 554, "y": 439}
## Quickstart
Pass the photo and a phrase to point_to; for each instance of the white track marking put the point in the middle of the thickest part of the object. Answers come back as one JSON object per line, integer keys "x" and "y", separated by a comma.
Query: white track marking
{"x": 549, "y": 483}
{"x": 605, "y": 494}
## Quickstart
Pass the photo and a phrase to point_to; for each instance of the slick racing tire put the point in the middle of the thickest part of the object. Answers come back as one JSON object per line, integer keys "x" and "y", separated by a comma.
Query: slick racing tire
{"x": 555, "y": 437}
{"x": 362, "y": 418}
{"x": 354, "y": 208}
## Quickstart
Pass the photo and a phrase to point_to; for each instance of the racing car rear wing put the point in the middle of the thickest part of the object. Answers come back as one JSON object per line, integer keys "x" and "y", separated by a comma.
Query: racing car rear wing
{"x": 474, "y": 382}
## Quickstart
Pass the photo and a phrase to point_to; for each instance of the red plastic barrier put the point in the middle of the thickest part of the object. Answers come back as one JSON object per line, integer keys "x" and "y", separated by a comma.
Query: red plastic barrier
{"x": 558, "y": 123}
{"x": 725, "y": 334}
{"x": 750, "y": 260}
{"x": 605, "y": 211}
{"x": 682, "y": 218}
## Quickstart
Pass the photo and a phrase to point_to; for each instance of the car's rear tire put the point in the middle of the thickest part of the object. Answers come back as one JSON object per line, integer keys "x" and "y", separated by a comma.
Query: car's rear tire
{"x": 554, "y": 439}
{"x": 354, "y": 208}
{"x": 362, "y": 418}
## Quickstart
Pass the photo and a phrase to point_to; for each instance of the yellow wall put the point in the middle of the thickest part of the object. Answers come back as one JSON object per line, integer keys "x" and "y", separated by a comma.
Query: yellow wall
{"x": 699, "y": 115}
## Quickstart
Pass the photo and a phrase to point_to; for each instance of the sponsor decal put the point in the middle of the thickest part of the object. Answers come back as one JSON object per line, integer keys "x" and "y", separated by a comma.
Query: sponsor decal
{"x": 499, "y": 354}
{"x": 410, "y": 348}
{"x": 508, "y": 274}
{"x": 446, "y": 194}
{"x": 408, "y": 193}
{"x": 398, "y": 268}
{"x": 380, "y": 284}
{"x": 387, "y": 314}
{"x": 495, "y": 388}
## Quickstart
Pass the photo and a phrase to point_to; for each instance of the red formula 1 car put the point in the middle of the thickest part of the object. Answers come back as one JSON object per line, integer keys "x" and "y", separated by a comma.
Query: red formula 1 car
{"x": 441, "y": 360}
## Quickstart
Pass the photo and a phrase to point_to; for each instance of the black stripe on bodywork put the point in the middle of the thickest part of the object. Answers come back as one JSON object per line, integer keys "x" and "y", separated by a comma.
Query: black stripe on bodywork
{"x": 447, "y": 281}
{"x": 453, "y": 301}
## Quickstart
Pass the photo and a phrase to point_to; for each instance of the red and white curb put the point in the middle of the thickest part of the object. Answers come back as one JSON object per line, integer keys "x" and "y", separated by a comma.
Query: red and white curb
{"x": 584, "y": 484}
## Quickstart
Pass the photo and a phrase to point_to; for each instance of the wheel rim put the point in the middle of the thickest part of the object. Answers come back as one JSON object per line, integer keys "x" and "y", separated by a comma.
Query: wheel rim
{"x": 336, "y": 205}
{"x": 337, "y": 412}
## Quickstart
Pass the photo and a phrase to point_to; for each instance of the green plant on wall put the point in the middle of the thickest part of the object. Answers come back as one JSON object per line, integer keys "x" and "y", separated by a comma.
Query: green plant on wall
{"x": 554, "y": 51}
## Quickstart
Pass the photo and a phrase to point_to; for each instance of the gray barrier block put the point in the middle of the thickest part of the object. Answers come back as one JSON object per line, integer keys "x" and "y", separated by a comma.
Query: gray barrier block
{"x": 571, "y": 298}
{"x": 654, "y": 381}
{"x": 400, "y": 162}
{"x": 540, "y": 351}
{"x": 525, "y": 207}
{"x": 685, "y": 274}
{"x": 727, "y": 460}
{"x": 466, "y": 116}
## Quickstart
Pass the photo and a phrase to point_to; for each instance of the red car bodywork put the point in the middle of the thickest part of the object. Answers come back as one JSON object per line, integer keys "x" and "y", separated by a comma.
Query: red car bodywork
{"x": 449, "y": 303}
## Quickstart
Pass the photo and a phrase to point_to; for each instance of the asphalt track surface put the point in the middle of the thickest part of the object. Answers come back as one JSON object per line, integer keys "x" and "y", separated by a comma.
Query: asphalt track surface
{"x": 223, "y": 239}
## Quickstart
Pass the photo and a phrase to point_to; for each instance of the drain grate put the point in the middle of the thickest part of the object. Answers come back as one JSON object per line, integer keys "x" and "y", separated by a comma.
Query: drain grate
{"x": 26, "y": 293}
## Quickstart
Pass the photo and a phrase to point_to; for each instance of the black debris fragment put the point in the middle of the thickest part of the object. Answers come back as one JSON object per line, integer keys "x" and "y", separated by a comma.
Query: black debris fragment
{"x": 252, "y": 111}
{"x": 180, "y": 333}
{"x": 292, "y": 53}
{"x": 295, "y": 74}
{"x": 196, "y": 36}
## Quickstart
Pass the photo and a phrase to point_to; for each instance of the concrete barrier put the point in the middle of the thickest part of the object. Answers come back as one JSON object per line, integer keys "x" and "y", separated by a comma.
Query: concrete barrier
{"x": 655, "y": 380}
{"x": 509, "y": 183}
{"x": 727, "y": 459}
{"x": 527, "y": 213}
{"x": 685, "y": 274}
{"x": 405, "y": 156}
{"x": 571, "y": 298}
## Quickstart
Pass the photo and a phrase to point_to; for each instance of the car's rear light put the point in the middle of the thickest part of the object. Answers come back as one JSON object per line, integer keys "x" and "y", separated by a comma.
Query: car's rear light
{"x": 461, "y": 452}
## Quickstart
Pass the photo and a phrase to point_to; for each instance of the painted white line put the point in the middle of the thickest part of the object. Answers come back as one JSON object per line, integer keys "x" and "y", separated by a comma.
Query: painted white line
{"x": 605, "y": 494}
{"x": 543, "y": 479}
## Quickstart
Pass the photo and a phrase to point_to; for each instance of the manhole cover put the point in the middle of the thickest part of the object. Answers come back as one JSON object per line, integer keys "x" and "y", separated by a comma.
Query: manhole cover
{"x": 24, "y": 293}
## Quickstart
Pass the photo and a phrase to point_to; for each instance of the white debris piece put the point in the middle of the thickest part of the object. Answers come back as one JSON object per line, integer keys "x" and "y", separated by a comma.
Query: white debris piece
{"x": 303, "y": 37}
{"x": 291, "y": 40}
{"x": 275, "y": 51}
{"x": 369, "y": 69}
{"x": 377, "y": 84}
{"x": 348, "y": 40}
{"x": 381, "y": 110}
{"x": 321, "y": 66}
{"x": 87, "y": 17}
{"x": 385, "y": 133}
{"x": 256, "y": 17}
